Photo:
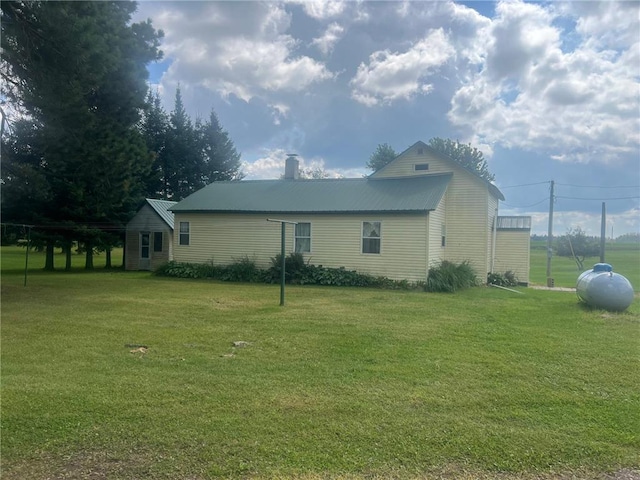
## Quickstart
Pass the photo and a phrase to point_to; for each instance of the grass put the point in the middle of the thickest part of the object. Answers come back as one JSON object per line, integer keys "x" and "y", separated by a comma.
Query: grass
{"x": 340, "y": 383}
{"x": 625, "y": 259}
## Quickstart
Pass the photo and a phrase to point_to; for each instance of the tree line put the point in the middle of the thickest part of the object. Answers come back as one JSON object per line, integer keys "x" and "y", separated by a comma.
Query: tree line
{"x": 83, "y": 141}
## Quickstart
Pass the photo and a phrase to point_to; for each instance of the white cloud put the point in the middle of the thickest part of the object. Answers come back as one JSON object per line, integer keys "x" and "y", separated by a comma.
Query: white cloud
{"x": 580, "y": 105}
{"x": 251, "y": 66}
{"x": 235, "y": 48}
{"x": 589, "y": 222}
{"x": 271, "y": 162}
{"x": 323, "y": 9}
{"x": 331, "y": 36}
{"x": 393, "y": 76}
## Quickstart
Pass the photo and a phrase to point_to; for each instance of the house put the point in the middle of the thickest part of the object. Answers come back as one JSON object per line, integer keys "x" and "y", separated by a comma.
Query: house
{"x": 149, "y": 236}
{"x": 420, "y": 209}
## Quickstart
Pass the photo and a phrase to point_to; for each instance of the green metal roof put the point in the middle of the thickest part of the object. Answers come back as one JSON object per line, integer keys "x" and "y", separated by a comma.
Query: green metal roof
{"x": 352, "y": 195}
{"x": 161, "y": 207}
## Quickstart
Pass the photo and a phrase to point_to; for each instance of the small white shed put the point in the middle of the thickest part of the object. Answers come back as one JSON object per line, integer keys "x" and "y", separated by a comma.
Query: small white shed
{"x": 512, "y": 246}
{"x": 149, "y": 236}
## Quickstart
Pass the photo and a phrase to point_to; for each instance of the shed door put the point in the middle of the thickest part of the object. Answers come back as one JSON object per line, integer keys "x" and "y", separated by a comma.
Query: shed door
{"x": 145, "y": 251}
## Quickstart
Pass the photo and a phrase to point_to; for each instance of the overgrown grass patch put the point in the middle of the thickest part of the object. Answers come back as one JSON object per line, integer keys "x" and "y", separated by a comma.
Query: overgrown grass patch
{"x": 341, "y": 382}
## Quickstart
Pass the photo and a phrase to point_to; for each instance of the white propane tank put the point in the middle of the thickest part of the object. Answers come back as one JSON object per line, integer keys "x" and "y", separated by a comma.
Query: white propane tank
{"x": 601, "y": 288}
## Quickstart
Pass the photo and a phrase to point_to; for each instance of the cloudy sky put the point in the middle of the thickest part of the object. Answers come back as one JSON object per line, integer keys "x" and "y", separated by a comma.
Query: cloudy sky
{"x": 547, "y": 90}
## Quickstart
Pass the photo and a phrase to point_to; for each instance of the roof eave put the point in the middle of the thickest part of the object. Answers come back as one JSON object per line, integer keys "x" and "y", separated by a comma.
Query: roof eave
{"x": 304, "y": 212}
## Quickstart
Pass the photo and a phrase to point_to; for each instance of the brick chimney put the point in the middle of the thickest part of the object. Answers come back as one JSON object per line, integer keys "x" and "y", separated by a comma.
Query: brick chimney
{"x": 291, "y": 167}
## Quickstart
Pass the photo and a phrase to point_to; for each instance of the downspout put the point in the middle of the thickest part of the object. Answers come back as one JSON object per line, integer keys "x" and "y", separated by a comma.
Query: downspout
{"x": 493, "y": 243}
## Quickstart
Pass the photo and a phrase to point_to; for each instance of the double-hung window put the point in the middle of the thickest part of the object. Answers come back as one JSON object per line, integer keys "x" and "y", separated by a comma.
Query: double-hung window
{"x": 371, "y": 237}
{"x": 303, "y": 238}
{"x": 184, "y": 233}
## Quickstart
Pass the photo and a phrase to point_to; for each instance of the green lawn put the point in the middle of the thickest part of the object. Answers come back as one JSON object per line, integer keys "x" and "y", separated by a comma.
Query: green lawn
{"x": 339, "y": 383}
{"x": 625, "y": 259}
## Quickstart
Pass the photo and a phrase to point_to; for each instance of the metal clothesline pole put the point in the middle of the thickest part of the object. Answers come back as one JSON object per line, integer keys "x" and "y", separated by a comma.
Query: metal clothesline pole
{"x": 283, "y": 232}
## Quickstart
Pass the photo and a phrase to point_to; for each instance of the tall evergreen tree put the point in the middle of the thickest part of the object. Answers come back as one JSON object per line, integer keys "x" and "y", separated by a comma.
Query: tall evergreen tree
{"x": 181, "y": 159}
{"x": 154, "y": 128}
{"x": 221, "y": 160}
{"x": 77, "y": 69}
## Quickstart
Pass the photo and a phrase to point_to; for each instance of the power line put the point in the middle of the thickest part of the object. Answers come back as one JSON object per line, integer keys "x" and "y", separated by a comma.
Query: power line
{"x": 599, "y": 199}
{"x": 523, "y": 185}
{"x": 597, "y": 186}
{"x": 527, "y": 206}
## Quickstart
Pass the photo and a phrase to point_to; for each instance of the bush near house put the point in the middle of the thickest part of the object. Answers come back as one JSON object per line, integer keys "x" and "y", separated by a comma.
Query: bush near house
{"x": 446, "y": 277}
{"x": 297, "y": 272}
{"x": 450, "y": 277}
{"x": 506, "y": 279}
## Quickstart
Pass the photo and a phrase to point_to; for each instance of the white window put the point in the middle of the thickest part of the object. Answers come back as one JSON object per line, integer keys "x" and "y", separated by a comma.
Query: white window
{"x": 371, "y": 237}
{"x": 144, "y": 245}
{"x": 184, "y": 233}
{"x": 303, "y": 238}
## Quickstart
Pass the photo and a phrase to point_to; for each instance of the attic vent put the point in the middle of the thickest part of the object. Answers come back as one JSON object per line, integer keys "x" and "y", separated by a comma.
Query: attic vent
{"x": 421, "y": 166}
{"x": 420, "y": 151}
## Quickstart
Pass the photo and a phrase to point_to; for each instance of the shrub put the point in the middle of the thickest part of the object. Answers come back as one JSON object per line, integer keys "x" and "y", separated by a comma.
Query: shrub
{"x": 186, "y": 270}
{"x": 450, "y": 277}
{"x": 506, "y": 279}
{"x": 295, "y": 269}
{"x": 242, "y": 270}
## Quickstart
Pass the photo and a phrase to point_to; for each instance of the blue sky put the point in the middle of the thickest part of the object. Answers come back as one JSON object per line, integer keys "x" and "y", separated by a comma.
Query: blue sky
{"x": 547, "y": 90}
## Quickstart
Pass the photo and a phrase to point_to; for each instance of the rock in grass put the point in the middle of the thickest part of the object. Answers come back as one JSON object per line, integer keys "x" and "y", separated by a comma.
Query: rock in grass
{"x": 240, "y": 344}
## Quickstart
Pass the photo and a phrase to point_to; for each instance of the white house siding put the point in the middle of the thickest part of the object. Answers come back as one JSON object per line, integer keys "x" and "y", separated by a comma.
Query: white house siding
{"x": 491, "y": 218}
{"x": 147, "y": 220}
{"x": 336, "y": 241}
{"x": 467, "y": 207}
{"x": 436, "y": 221}
{"x": 512, "y": 253}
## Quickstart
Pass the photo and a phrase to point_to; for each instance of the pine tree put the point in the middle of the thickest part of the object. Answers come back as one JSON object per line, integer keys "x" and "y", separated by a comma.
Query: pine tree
{"x": 77, "y": 70}
{"x": 221, "y": 160}
{"x": 181, "y": 159}
{"x": 154, "y": 128}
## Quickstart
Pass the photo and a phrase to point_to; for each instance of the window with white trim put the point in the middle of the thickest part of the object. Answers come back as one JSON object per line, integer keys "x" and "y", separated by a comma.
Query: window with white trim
{"x": 303, "y": 237}
{"x": 184, "y": 233}
{"x": 371, "y": 237}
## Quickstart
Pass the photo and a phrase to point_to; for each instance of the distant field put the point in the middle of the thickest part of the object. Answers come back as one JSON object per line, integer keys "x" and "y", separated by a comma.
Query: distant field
{"x": 624, "y": 257}
{"x": 341, "y": 383}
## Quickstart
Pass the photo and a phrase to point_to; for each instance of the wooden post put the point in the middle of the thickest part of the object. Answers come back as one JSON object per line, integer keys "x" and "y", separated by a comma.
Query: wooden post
{"x": 550, "y": 237}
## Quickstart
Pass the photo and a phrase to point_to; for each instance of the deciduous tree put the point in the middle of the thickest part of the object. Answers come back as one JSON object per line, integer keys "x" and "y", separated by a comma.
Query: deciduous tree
{"x": 577, "y": 245}
{"x": 383, "y": 154}
{"x": 466, "y": 155}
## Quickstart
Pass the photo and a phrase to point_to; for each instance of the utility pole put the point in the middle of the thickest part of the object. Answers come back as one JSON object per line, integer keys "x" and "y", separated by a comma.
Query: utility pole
{"x": 550, "y": 235}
